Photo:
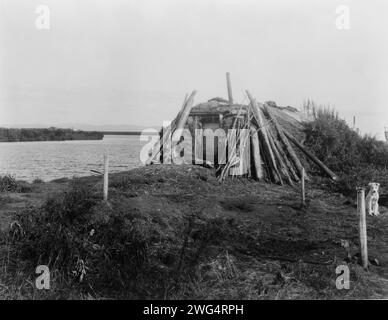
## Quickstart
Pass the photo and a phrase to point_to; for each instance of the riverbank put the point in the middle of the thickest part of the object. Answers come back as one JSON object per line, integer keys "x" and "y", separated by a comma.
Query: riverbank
{"x": 50, "y": 134}
{"x": 48, "y": 160}
{"x": 176, "y": 232}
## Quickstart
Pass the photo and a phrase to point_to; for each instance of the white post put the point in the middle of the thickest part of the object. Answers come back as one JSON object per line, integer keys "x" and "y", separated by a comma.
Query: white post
{"x": 229, "y": 85}
{"x": 303, "y": 188}
{"x": 362, "y": 226}
{"x": 106, "y": 168}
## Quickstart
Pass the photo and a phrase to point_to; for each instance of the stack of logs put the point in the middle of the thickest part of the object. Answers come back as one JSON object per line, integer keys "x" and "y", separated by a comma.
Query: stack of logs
{"x": 273, "y": 157}
{"x": 274, "y": 151}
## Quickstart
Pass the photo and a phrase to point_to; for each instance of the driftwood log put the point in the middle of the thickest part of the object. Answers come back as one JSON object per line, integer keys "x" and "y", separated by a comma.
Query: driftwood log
{"x": 318, "y": 162}
{"x": 229, "y": 85}
{"x": 257, "y": 165}
{"x": 282, "y": 166}
{"x": 182, "y": 119}
{"x": 258, "y": 115}
{"x": 167, "y": 132}
{"x": 294, "y": 158}
{"x": 287, "y": 162}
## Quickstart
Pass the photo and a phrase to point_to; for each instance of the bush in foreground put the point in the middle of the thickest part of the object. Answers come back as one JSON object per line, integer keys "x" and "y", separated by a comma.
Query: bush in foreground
{"x": 8, "y": 183}
{"x": 109, "y": 250}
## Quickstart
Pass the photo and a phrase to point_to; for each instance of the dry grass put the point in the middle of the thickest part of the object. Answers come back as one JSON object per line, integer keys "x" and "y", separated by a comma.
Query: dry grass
{"x": 176, "y": 232}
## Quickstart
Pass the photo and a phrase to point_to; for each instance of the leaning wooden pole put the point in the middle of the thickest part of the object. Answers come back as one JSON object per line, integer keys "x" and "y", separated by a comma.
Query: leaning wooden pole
{"x": 294, "y": 158}
{"x": 167, "y": 131}
{"x": 311, "y": 156}
{"x": 229, "y": 85}
{"x": 181, "y": 121}
{"x": 287, "y": 162}
{"x": 282, "y": 165}
{"x": 262, "y": 130}
{"x": 362, "y": 226}
{"x": 180, "y": 111}
{"x": 180, "y": 125}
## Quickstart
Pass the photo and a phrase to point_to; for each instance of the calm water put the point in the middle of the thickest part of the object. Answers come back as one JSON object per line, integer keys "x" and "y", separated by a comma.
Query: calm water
{"x": 50, "y": 160}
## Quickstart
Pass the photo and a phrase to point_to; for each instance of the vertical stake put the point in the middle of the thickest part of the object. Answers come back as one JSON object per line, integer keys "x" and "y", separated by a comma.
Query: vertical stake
{"x": 303, "y": 188}
{"x": 106, "y": 166}
{"x": 362, "y": 226}
{"x": 229, "y": 84}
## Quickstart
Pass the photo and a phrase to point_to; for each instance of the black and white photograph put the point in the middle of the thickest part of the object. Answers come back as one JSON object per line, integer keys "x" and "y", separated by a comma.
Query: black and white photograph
{"x": 217, "y": 152}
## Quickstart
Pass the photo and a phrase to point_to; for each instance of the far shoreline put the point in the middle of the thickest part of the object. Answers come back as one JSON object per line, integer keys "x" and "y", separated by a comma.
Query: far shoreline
{"x": 47, "y": 134}
{"x": 77, "y": 135}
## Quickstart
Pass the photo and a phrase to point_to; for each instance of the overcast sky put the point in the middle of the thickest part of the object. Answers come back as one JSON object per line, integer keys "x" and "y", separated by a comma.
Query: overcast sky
{"x": 132, "y": 62}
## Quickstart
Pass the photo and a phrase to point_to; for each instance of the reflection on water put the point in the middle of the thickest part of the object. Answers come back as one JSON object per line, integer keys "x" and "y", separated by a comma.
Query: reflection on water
{"x": 50, "y": 160}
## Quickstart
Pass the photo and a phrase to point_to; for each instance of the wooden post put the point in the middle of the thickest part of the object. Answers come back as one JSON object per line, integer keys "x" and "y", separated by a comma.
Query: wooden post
{"x": 256, "y": 154}
{"x": 318, "y": 162}
{"x": 362, "y": 226}
{"x": 229, "y": 84}
{"x": 106, "y": 168}
{"x": 303, "y": 188}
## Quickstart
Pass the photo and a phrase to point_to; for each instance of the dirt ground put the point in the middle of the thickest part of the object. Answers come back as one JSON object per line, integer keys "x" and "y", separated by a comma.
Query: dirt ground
{"x": 274, "y": 248}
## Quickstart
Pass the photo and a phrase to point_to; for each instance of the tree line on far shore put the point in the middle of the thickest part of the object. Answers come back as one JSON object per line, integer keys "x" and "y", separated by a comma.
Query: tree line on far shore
{"x": 49, "y": 134}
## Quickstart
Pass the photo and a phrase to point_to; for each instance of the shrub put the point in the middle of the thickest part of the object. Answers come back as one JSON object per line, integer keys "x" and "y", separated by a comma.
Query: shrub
{"x": 82, "y": 238}
{"x": 356, "y": 159}
{"x": 8, "y": 183}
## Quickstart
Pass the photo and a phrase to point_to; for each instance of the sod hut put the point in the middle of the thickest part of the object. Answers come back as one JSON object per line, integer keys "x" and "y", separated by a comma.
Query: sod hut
{"x": 254, "y": 140}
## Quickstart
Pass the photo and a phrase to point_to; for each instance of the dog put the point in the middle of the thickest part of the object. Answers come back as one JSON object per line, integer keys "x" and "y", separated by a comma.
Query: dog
{"x": 372, "y": 199}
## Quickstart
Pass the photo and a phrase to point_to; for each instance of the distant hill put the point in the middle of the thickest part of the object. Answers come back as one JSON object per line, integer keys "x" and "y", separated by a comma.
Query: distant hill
{"x": 50, "y": 134}
{"x": 86, "y": 127}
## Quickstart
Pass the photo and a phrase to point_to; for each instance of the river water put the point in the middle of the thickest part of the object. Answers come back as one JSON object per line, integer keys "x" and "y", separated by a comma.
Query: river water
{"x": 48, "y": 160}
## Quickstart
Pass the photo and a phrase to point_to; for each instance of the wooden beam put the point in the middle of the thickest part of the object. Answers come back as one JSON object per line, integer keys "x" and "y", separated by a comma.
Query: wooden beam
{"x": 258, "y": 168}
{"x": 262, "y": 130}
{"x": 287, "y": 162}
{"x": 167, "y": 132}
{"x": 229, "y": 85}
{"x": 179, "y": 130}
{"x": 294, "y": 158}
{"x": 318, "y": 162}
{"x": 182, "y": 119}
{"x": 278, "y": 156}
{"x": 362, "y": 227}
